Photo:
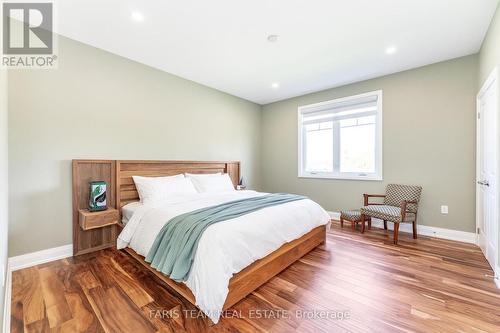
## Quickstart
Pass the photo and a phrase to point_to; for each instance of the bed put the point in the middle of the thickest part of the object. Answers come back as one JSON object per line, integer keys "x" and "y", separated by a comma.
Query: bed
{"x": 234, "y": 257}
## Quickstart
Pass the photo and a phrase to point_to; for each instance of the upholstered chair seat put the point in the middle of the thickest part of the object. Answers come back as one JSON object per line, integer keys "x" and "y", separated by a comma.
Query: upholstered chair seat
{"x": 386, "y": 212}
{"x": 350, "y": 215}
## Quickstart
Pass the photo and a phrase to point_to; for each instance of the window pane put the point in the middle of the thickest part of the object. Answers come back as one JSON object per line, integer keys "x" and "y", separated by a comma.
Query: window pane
{"x": 319, "y": 147}
{"x": 340, "y": 138}
{"x": 357, "y": 145}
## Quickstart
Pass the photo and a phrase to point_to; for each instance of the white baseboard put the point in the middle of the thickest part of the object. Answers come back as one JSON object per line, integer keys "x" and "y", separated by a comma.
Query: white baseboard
{"x": 29, "y": 260}
{"x": 334, "y": 215}
{"x": 40, "y": 257}
{"x": 424, "y": 230}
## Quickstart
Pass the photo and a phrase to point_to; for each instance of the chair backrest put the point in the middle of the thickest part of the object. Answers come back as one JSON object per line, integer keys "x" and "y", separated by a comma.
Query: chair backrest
{"x": 395, "y": 194}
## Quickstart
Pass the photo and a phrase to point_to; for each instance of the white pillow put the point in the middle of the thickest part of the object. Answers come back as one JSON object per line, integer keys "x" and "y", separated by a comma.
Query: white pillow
{"x": 158, "y": 189}
{"x": 211, "y": 183}
{"x": 128, "y": 211}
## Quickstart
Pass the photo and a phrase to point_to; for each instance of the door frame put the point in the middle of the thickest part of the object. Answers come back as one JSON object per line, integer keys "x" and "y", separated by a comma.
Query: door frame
{"x": 492, "y": 78}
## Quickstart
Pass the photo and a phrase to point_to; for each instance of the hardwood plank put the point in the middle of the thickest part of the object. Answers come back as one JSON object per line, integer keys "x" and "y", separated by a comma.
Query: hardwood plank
{"x": 32, "y": 299}
{"x": 87, "y": 280}
{"x": 131, "y": 287}
{"x": 16, "y": 316}
{"x": 38, "y": 326}
{"x": 82, "y": 319}
{"x": 53, "y": 294}
{"x": 116, "y": 312}
{"x": 165, "y": 321}
{"x": 423, "y": 285}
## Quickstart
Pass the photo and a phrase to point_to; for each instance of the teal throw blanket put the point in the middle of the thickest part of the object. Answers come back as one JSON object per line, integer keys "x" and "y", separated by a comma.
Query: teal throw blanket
{"x": 174, "y": 248}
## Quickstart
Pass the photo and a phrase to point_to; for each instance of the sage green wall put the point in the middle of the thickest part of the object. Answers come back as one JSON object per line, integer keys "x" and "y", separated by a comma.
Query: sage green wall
{"x": 428, "y": 139}
{"x": 99, "y": 105}
{"x": 489, "y": 56}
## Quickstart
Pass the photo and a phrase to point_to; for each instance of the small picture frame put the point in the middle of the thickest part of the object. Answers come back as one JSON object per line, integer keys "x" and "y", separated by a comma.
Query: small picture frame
{"x": 98, "y": 191}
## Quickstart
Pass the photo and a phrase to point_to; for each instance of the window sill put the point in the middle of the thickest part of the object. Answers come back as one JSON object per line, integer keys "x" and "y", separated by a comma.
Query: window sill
{"x": 371, "y": 178}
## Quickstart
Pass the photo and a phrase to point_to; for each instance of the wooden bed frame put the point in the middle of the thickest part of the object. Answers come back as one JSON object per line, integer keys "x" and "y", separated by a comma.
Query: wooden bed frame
{"x": 242, "y": 283}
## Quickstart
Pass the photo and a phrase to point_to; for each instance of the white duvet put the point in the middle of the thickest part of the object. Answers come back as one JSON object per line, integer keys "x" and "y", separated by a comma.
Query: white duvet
{"x": 227, "y": 247}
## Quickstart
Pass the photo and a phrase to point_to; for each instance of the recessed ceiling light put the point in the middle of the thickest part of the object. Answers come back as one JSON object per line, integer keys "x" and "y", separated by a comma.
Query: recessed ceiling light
{"x": 272, "y": 38}
{"x": 137, "y": 16}
{"x": 275, "y": 85}
{"x": 391, "y": 50}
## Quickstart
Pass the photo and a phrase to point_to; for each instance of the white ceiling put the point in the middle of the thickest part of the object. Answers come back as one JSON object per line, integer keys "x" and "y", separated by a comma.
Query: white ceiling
{"x": 322, "y": 43}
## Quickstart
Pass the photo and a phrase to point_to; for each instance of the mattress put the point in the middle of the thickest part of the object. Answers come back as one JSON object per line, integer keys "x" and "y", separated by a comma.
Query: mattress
{"x": 227, "y": 247}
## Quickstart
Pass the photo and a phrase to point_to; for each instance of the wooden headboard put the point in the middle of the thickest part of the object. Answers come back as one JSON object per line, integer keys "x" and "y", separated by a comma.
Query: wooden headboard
{"x": 121, "y": 190}
{"x": 125, "y": 187}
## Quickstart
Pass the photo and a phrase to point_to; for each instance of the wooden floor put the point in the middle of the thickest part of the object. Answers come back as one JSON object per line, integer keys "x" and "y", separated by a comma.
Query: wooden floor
{"x": 424, "y": 285}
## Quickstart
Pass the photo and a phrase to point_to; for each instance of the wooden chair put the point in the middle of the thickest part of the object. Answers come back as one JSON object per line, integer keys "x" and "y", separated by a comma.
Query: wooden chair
{"x": 400, "y": 205}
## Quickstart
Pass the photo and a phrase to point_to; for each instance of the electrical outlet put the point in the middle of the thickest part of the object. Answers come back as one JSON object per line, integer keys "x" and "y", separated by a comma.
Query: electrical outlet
{"x": 444, "y": 209}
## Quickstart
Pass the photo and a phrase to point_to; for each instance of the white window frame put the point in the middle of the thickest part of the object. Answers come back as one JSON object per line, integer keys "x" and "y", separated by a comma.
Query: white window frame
{"x": 377, "y": 175}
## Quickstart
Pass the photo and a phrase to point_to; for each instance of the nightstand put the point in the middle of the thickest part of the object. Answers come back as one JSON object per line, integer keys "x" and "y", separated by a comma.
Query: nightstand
{"x": 92, "y": 220}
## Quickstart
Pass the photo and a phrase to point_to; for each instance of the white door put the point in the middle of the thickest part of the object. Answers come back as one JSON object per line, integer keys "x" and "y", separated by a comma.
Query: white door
{"x": 487, "y": 169}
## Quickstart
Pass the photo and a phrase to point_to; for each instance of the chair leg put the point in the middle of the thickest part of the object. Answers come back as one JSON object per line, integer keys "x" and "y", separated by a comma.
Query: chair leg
{"x": 353, "y": 225}
{"x": 385, "y": 224}
{"x": 396, "y": 231}
{"x": 414, "y": 229}
{"x": 341, "y": 222}
{"x": 369, "y": 223}
{"x": 363, "y": 223}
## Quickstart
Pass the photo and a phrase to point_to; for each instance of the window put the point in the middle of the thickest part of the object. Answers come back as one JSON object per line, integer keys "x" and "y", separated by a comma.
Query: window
{"x": 342, "y": 138}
